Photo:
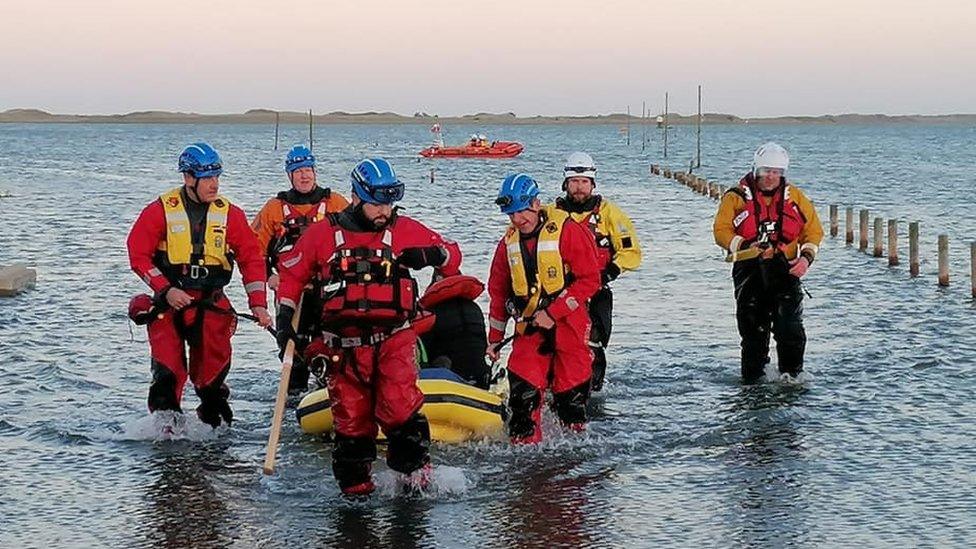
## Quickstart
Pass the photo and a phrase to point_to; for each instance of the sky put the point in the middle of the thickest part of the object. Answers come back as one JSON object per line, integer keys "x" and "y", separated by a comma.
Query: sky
{"x": 566, "y": 57}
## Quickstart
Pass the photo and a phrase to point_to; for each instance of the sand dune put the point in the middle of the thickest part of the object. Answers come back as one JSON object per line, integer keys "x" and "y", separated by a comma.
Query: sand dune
{"x": 267, "y": 116}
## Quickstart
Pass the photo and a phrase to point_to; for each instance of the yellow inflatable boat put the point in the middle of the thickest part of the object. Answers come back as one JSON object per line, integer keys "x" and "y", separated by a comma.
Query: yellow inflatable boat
{"x": 457, "y": 412}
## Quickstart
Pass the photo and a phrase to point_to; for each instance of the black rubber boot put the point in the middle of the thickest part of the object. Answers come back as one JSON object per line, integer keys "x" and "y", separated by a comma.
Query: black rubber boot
{"x": 409, "y": 445}
{"x": 599, "y": 368}
{"x": 214, "y": 405}
{"x": 570, "y": 406}
{"x": 162, "y": 390}
{"x": 524, "y": 401}
{"x": 352, "y": 464}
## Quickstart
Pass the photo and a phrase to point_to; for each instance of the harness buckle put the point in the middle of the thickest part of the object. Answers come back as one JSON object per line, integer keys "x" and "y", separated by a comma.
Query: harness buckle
{"x": 198, "y": 271}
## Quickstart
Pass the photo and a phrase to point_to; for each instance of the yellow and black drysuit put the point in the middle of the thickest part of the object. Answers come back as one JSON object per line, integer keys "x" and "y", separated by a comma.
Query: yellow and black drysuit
{"x": 617, "y": 251}
{"x": 762, "y": 233}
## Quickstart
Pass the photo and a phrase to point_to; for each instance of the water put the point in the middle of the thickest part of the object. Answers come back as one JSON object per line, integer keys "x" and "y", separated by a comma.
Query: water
{"x": 875, "y": 449}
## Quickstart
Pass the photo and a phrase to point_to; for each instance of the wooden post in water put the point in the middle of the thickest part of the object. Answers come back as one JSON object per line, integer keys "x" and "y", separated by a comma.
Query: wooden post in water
{"x": 833, "y": 220}
{"x": 878, "y": 237}
{"x": 892, "y": 242}
{"x": 698, "y": 147}
{"x": 943, "y": 260}
{"x": 665, "y": 124}
{"x": 432, "y": 175}
{"x": 277, "y": 119}
{"x": 628, "y": 125}
{"x": 913, "y": 248}
{"x": 309, "y": 129}
{"x": 972, "y": 266}
{"x": 863, "y": 240}
{"x": 643, "y": 125}
{"x": 849, "y": 226}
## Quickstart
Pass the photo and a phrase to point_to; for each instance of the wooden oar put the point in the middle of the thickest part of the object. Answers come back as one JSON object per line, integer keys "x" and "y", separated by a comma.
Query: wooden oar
{"x": 279, "y": 408}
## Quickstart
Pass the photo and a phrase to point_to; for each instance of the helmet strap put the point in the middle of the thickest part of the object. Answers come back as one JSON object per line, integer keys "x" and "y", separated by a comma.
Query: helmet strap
{"x": 195, "y": 197}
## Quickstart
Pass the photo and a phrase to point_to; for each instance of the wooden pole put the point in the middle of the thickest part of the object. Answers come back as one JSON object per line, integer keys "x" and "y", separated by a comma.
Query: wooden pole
{"x": 432, "y": 175}
{"x": 280, "y": 399}
{"x": 913, "y": 248}
{"x": 849, "y": 226}
{"x": 972, "y": 266}
{"x": 277, "y": 120}
{"x": 310, "y": 144}
{"x": 665, "y": 124}
{"x": 943, "y": 260}
{"x": 878, "y": 237}
{"x": 833, "y": 220}
{"x": 892, "y": 242}
{"x": 863, "y": 240}
{"x": 698, "y": 156}
{"x": 628, "y": 125}
{"x": 643, "y": 126}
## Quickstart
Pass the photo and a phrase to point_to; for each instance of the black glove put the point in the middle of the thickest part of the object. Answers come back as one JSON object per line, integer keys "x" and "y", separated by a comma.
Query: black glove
{"x": 420, "y": 257}
{"x": 610, "y": 273}
{"x": 285, "y": 332}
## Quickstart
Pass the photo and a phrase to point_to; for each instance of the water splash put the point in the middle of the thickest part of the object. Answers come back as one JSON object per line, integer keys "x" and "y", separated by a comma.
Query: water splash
{"x": 445, "y": 481}
{"x": 167, "y": 425}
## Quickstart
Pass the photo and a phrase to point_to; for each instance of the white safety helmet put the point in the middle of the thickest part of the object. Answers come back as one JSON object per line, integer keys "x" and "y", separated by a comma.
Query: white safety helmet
{"x": 579, "y": 164}
{"x": 770, "y": 155}
{"x": 483, "y": 137}
{"x": 474, "y": 137}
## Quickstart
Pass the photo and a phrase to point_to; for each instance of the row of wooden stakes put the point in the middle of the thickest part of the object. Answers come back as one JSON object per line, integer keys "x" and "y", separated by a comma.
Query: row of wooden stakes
{"x": 715, "y": 191}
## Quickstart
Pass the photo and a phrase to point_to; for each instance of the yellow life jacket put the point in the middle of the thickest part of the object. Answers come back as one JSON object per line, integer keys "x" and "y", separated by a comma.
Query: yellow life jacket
{"x": 179, "y": 246}
{"x": 550, "y": 270}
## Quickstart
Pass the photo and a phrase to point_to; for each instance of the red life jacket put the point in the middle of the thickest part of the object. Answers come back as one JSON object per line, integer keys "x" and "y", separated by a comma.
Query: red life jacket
{"x": 366, "y": 285}
{"x": 458, "y": 286}
{"x": 781, "y": 219}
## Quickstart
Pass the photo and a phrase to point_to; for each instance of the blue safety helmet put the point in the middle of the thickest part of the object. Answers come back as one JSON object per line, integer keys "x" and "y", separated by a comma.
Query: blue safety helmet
{"x": 517, "y": 192}
{"x": 374, "y": 181}
{"x": 200, "y": 160}
{"x": 299, "y": 156}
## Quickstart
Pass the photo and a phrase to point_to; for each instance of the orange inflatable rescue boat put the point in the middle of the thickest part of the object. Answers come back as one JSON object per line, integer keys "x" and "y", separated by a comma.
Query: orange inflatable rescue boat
{"x": 477, "y": 147}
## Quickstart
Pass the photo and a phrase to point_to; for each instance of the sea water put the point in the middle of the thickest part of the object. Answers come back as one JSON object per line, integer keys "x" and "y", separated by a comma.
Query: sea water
{"x": 874, "y": 447}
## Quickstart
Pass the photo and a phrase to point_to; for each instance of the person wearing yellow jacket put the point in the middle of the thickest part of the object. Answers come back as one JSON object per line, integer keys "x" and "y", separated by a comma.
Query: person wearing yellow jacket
{"x": 771, "y": 232}
{"x": 617, "y": 248}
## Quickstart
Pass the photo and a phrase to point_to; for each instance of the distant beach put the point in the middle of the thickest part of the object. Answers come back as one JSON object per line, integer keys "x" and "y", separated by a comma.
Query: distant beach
{"x": 266, "y": 116}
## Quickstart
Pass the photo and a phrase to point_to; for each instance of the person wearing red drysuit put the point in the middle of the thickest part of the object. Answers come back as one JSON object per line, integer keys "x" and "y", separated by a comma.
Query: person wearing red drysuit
{"x": 184, "y": 245}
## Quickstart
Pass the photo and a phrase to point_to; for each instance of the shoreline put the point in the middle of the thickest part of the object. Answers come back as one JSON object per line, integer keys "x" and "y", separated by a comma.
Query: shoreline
{"x": 266, "y": 116}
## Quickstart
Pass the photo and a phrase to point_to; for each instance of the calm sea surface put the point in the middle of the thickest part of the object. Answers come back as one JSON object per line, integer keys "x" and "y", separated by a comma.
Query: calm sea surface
{"x": 876, "y": 449}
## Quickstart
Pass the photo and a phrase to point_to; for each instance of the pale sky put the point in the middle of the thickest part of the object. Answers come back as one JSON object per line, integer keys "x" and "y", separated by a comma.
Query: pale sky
{"x": 753, "y": 57}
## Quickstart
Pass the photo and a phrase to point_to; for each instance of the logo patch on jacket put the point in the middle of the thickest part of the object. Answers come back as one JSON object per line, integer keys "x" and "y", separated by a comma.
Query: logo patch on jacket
{"x": 173, "y": 202}
{"x": 551, "y": 228}
{"x": 740, "y": 218}
{"x": 551, "y": 272}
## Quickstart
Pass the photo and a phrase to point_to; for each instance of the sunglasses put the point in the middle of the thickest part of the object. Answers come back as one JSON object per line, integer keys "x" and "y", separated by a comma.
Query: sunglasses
{"x": 298, "y": 159}
{"x": 579, "y": 169}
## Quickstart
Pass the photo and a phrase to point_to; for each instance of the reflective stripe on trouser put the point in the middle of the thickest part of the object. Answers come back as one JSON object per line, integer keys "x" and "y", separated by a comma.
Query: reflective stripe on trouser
{"x": 209, "y": 354}
{"x": 769, "y": 300}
